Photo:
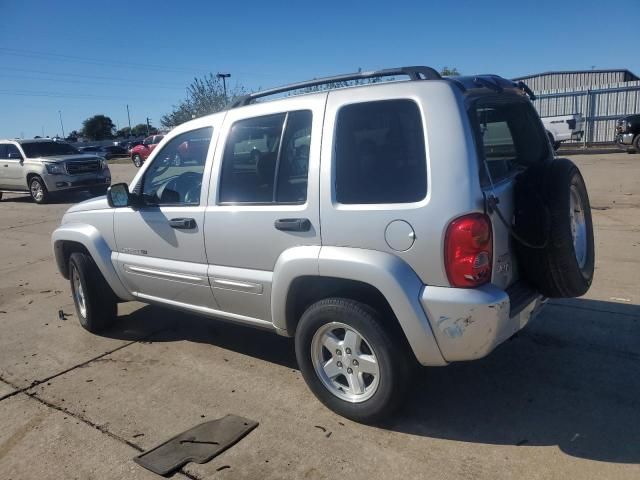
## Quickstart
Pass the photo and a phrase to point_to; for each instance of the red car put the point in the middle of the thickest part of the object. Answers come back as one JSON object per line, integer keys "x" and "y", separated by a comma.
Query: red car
{"x": 140, "y": 153}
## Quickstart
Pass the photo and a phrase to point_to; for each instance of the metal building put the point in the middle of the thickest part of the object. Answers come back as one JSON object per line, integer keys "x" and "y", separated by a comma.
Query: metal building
{"x": 576, "y": 79}
{"x": 600, "y": 96}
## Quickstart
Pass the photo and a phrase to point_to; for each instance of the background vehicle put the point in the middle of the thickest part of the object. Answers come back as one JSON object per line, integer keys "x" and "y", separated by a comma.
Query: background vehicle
{"x": 563, "y": 128}
{"x": 141, "y": 152}
{"x": 43, "y": 167}
{"x": 335, "y": 235}
{"x": 106, "y": 151}
{"x": 628, "y": 133}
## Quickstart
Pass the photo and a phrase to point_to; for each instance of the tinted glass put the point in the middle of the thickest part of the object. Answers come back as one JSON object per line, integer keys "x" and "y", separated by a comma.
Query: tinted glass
{"x": 380, "y": 154}
{"x": 510, "y": 136}
{"x": 47, "y": 149}
{"x": 3, "y": 151}
{"x": 175, "y": 176}
{"x": 249, "y": 161}
{"x": 294, "y": 159}
{"x": 13, "y": 151}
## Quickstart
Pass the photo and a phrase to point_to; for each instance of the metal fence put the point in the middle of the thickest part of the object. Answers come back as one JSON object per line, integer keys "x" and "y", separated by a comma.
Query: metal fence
{"x": 600, "y": 107}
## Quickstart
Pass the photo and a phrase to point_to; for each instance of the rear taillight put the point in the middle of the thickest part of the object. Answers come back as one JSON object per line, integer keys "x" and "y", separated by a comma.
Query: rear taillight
{"x": 468, "y": 251}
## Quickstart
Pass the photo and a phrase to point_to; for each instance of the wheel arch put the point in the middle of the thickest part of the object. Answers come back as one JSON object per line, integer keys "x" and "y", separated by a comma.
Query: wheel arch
{"x": 304, "y": 275}
{"x": 68, "y": 239}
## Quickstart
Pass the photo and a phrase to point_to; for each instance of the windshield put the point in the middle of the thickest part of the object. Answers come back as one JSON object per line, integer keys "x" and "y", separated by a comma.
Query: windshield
{"x": 47, "y": 149}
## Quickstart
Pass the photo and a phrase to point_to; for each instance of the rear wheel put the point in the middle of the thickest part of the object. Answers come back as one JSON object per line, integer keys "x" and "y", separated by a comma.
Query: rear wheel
{"x": 137, "y": 160}
{"x": 38, "y": 190}
{"x": 96, "y": 304}
{"x": 351, "y": 360}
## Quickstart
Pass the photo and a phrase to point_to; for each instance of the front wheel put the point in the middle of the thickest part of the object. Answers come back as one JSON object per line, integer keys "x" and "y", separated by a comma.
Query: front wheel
{"x": 137, "y": 160}
{"x": 96, "y": 304}
{"x": 38, "y": 190}
{"x": 351, "y": 360}
{"x": 636, "y": 143}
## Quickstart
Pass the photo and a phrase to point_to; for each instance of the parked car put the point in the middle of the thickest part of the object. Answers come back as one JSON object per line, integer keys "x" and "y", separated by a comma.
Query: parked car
{"x": 141, "y": 152}
{"x": 106, "y": 151}
{"x": 563, "y": 127}
{"x": 45, "y": 167}
{"x": 375, "y": 227}
{"x": 628, "y": 133}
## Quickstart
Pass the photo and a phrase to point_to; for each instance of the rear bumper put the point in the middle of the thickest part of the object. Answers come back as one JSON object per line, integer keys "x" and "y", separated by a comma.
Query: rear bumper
{"x": 469, "y": 323}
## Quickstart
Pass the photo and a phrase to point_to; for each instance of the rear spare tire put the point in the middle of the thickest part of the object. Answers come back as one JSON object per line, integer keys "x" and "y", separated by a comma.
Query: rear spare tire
{"x": 554, "y": 215}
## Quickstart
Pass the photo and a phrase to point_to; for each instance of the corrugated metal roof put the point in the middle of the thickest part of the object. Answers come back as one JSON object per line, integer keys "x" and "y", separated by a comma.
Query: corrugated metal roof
{"x": 576, "y": 79}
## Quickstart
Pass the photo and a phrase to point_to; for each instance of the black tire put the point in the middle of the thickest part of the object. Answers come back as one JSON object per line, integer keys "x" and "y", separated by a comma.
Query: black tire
{"x": 137, "y": 160}
{"x": 0, "y": 196}
{"x": 554, "y": 144}
{"x": 391, "y": 353}
{"x": 38, "y": 190}
{"x": 100, "y": 303}
{"x": 544, "y": 217}
{"x": 636, "y": 144}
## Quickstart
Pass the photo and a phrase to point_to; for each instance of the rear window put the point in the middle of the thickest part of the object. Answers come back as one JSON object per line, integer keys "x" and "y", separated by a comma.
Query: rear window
{"x": 509, "y": 137}
{"x": 380, "y": 153}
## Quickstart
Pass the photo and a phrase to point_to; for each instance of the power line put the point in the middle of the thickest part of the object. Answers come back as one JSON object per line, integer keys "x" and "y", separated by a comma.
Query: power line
{"x": 98, "y": 77}
{"x": 95, "y": 61}
{"x": 86, "y": 82}
{"x": 32, "y": 93}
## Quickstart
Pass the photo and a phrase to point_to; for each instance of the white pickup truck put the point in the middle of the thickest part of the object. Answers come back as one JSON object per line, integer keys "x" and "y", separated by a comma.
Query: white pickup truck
{"x": 563, "y": 127}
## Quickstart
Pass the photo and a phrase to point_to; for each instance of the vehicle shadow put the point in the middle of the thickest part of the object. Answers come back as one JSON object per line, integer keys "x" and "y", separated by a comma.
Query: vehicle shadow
{"x": 570, "y": 379}
{"x": 57, "y": 199}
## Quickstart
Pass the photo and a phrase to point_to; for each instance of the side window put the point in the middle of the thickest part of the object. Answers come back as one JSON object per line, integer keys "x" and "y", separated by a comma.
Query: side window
{"x": 3, "y": 151}
{"x": 157, "y": 139}
{"x": 175, "y": 176}
{"x": 148, "y": 141}
{"x": 380, "y": 153}
{"x": 13, "y": 152}
{"x": 263, "y": 164}
{"x": 510, "y": 137}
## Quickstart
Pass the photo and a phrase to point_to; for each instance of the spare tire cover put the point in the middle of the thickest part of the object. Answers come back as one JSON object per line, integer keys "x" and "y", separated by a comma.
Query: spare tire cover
{"x": 553, "y": 215}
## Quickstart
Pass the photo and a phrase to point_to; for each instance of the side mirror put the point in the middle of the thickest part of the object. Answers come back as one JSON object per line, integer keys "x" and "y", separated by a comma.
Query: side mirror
{"x": 118, "y": 196}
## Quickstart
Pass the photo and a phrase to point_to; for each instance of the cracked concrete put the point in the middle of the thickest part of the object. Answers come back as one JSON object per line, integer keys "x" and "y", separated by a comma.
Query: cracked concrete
{"x": 559, "y": 400}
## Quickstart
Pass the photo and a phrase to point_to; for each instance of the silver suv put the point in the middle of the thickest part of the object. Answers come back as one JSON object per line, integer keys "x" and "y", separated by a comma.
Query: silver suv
{"x": 42, "y": 167}
{"x": 383, "y": 225}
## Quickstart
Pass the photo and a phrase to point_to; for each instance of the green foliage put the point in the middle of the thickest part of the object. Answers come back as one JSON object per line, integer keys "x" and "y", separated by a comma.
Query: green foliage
{"x": 139, "y": 130}
{"x": 449, "y": 72}
{"x": 204, "y": 97}
{"x": 98, "y": 127}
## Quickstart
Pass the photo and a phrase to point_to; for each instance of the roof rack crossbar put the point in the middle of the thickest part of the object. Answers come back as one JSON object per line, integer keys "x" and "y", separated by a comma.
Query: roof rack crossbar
{"x": 414, "y": 73}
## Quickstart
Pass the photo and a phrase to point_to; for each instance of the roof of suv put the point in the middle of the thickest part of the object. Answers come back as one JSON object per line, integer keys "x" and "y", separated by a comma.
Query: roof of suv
{"x": 415, "y": 73}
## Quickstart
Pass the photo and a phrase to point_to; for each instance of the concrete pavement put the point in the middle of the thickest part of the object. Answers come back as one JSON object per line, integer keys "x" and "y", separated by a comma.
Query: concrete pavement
{"x": 558, "y": 400}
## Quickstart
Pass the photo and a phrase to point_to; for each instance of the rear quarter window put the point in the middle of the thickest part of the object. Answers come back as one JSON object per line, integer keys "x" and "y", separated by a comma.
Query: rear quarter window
{"x": 380, "y": 153}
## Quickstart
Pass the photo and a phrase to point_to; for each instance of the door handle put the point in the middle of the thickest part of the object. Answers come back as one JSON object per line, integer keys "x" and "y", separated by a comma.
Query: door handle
{"x": 293, "y": 224}
{"x": 182, "y": 223}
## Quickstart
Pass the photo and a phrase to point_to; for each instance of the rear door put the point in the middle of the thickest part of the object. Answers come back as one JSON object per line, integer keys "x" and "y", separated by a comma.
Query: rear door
{"x": 263, "y": 200}
{"x": 509, "y": 137}
{"x": 13, "y": 168}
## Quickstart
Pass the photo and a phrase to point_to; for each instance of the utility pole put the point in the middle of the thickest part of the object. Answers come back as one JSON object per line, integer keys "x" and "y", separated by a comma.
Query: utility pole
{"x": 129, "y": 118}
{"x": 224, "y": 77}
{"x": 61, "y": 125}
{"x": 148, "y": 127}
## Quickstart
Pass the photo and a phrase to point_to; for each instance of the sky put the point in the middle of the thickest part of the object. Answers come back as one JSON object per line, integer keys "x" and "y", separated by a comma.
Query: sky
{"x": 74, "y": 59}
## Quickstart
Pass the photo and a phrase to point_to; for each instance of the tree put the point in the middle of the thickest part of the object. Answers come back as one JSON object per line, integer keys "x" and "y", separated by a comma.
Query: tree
{"x": 449, "y": 72}
{"x": 204, "y": 96}
{"x": 98, "y": 127}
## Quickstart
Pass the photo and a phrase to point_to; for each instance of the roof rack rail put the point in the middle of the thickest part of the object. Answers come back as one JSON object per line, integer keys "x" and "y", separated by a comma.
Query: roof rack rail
{"x": 414, "y": 73}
